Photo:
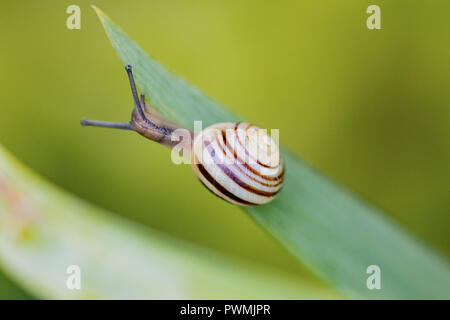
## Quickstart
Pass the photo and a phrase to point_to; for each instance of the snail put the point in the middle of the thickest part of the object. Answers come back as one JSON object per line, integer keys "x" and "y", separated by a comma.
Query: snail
{"x": 238, "y": 162}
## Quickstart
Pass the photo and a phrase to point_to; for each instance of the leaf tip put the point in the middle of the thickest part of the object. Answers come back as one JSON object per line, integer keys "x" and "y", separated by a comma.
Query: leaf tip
{"x": 99, "y": 12}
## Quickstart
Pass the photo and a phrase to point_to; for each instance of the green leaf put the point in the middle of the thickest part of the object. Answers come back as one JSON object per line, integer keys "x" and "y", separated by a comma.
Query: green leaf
{"x": 44, "y": 230}
{"x": 326, "y": 227}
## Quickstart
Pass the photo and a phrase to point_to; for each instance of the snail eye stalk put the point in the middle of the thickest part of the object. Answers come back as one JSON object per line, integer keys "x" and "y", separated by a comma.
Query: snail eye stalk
{"x": 107, "y": 124}
{"x": 138, "y": 105}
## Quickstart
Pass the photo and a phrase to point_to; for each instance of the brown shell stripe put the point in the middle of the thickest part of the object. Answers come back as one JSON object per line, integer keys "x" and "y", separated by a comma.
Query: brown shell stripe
{"x": 235, "y": 178}
{"x": 238, "y": 168}
{"x": 245, "y": 173}
{"x": 245, "y": 149}
{"x": 246, "y": 165}
{"x": 221, "y": 188}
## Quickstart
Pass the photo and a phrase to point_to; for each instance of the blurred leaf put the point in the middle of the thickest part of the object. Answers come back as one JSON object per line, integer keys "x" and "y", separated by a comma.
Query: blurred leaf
{"x": 43, "y": 231}
{"x": 10, "y": 291}
{"x": 329, "y": 229}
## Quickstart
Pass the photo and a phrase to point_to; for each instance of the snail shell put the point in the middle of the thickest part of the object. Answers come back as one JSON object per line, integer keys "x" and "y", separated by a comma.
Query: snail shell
{"x": 238, "y": 162}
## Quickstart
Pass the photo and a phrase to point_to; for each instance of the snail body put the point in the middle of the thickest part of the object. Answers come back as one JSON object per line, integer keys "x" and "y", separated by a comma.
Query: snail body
{"x": 238, "y": 162}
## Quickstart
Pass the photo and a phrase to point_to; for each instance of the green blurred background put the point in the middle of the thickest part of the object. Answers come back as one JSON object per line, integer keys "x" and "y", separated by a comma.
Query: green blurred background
{"x": 369, "y": 108}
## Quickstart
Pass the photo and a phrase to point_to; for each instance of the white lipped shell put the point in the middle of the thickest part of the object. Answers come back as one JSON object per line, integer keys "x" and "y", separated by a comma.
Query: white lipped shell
{"x": 238, "y": 162}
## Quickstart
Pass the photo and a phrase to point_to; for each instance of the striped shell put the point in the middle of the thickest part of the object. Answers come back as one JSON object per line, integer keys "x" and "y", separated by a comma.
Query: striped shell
{"x": 238, "y": 162}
